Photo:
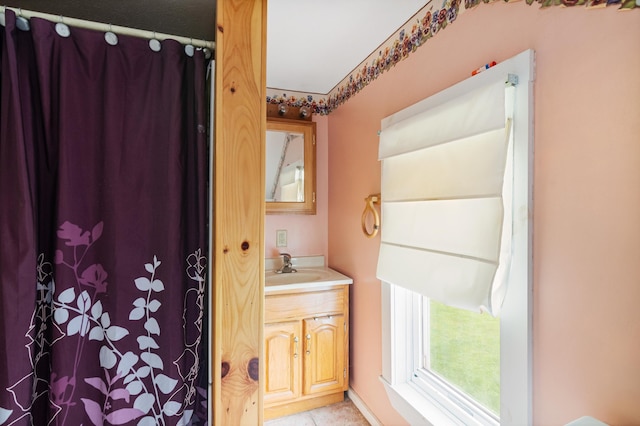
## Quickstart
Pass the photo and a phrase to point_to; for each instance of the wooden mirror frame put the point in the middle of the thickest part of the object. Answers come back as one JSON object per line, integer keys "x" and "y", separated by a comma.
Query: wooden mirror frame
{"x": 308, "y": 129}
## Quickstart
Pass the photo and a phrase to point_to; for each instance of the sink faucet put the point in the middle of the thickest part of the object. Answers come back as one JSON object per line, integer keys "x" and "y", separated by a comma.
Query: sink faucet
{"x": 287, "y": 266}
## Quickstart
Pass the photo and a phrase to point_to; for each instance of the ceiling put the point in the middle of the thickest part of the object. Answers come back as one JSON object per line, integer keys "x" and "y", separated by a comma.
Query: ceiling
{"x": 311, "y": 45}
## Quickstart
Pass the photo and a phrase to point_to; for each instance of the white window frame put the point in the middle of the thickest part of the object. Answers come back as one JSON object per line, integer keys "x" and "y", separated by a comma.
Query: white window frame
{"x": 399, "y": 307}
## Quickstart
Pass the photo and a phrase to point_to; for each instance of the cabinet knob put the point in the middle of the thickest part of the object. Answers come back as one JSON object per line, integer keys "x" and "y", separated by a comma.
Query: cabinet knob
{"x": 308, "y": 343}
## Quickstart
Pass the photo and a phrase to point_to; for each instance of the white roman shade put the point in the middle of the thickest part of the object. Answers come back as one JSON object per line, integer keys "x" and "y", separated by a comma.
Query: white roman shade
{"x": 446, "y": 199}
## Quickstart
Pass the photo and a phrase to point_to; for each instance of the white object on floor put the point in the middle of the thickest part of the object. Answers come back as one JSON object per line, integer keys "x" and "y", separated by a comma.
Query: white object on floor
{"x": 586, "y": 421}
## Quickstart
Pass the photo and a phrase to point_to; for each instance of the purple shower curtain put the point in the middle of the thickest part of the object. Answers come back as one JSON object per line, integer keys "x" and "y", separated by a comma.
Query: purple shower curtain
{"x": 103, "y": 247}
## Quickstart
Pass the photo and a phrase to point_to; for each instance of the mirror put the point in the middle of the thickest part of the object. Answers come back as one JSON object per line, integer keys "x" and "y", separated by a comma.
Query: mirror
{"x": 290, "y": 172}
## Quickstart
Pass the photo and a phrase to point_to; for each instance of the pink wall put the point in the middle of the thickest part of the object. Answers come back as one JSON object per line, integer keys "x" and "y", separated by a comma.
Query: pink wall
{"x": 306, "y": 234}
{"x": 587, "y": 199}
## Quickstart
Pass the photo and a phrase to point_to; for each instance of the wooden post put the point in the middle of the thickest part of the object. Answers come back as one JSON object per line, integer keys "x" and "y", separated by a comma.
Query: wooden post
{"x": 238, "y": 212}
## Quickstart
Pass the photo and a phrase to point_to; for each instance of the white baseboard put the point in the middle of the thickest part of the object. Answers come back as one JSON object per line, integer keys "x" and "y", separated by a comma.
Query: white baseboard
{"x": 360, "y": 405}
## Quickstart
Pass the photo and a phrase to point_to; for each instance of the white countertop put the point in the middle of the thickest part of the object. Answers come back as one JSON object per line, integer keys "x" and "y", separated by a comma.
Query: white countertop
{"x": 311, "y": 273}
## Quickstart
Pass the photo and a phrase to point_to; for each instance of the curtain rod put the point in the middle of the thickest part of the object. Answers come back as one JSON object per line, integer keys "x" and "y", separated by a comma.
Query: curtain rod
{"x": 99, "y": 26}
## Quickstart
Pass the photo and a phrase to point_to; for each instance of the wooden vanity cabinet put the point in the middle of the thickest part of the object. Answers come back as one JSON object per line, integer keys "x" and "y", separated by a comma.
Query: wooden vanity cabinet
{"x": 306, "y": 349}
{"x": 282, "y": 343}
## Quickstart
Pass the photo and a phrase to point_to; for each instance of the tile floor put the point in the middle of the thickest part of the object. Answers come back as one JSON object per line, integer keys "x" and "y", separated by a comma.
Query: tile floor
{"x": 340, "y": 414}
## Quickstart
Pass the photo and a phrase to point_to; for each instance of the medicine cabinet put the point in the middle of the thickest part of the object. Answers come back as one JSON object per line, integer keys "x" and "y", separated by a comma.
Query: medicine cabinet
{"x": 290, "y": 172}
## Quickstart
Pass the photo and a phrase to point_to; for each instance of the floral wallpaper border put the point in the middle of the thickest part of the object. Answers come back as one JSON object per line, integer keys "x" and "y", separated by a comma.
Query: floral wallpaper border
{"x": 406, "y": 41}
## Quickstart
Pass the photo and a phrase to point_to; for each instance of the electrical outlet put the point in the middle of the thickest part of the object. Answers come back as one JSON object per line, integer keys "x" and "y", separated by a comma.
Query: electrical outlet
{"x": 281, "y": 238}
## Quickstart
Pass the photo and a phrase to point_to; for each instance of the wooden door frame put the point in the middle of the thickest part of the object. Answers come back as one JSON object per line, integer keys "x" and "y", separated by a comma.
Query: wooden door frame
{"x": 238, "y": 212}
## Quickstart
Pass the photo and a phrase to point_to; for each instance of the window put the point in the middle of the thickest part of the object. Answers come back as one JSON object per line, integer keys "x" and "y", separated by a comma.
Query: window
{"x": 462, "y": 348}
{"x": 444, "y": 365}
{"x": 459, "y": 357}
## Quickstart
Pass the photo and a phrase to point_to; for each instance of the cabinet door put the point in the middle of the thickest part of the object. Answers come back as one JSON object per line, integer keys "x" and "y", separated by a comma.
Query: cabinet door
{"x": 324, "y": 357}
{"x": 283, "y": 348}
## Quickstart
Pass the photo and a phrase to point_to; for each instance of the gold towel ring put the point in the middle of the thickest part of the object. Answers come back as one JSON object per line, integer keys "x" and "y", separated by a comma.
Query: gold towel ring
{"x": 371, "y": 200}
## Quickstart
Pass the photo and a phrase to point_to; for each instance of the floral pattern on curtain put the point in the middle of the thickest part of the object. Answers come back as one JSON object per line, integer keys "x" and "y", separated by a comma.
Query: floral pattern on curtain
{"x": 103, "y": 230}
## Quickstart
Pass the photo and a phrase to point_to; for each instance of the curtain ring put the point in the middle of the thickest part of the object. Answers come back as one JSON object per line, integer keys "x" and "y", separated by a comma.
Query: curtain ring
{"x": 110, "y": 37}
{"x": 21, "y": 22}
{"x": 371, "y": 200}
{"x": 189, "y": 49}
{"x": 61, "y": 28}
{"x": 154, "y": 43}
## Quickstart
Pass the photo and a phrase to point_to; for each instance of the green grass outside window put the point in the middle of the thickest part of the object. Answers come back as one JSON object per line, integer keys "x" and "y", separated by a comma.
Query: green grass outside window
{"x": 465, "y": 350}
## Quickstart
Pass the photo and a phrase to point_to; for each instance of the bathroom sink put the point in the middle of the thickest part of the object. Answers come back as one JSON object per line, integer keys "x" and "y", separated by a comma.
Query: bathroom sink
{"x": 294, "y": 277}
{"x": 305, "y": 277}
